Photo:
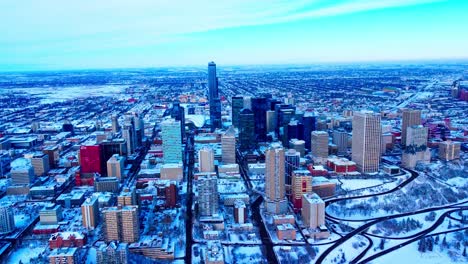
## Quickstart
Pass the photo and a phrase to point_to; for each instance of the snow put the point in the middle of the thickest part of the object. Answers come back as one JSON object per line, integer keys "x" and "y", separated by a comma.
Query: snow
{"x": 349, "y": 249}
{"x": 458, "y": 182}
{"x": 410, "y": 254}
{"x": 24, "y": 254}
{"x": 354, "y": 184}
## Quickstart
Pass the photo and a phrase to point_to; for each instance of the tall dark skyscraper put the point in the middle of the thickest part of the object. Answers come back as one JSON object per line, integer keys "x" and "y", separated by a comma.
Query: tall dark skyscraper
{"x": 309, "y": 126}
{"x": 246, "y": 129}
{"x": 213, "y": 96}
{"x": 260, "y": 105}
{"x": 237, "y": 105}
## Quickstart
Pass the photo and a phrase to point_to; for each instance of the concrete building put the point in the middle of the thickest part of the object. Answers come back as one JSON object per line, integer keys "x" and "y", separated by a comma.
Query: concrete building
{"x": 275, "y": 191}
{"x": 286, "y": 232}
{"x": 228, "y": 146}
{"x": 116, "y": 166}
{"x": 366, "y": 145}
{"x": 411, "y": 117}
{"x": 172, "y": 171}
{"x": 40, "y": 163}
{"x": 106, "y": 184}
{"x": 319, "y": 146}
{"x": 23, "y": 175}
{"x": 206, "y": 160}
{"x": 416, "y": 149}
{"x": 301, "y": 184}
{"x": 112, "y": 253}
{"x": 171, "y": 141}
{"x": 7, "y": 218}
{"x": 68, "y": 255}
{"x": 52, "y": 153}
{"x": 90, "y": 212}
{"x": 240, "y": 212}
{"x": 340, "y": 139}
{"x": 313, "y": 210}
{"x": 51, "y": 215}
{"x": 121, "y": 223}
{"x": 449, "y": 150}
{"x": 127, "y": 197}
{"x": 298, "y": 145}
{"x": 115, "y": 124}
{"x": 207, "y": 196}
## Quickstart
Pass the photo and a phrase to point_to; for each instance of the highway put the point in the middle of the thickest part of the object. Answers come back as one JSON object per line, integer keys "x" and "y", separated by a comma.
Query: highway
{"x": 363, "y": 229}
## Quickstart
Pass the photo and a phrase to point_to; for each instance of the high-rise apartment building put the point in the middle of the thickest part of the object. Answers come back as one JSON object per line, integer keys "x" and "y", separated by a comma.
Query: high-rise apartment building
{"x": 127, "y": 197}
{"x": 207, "y": 196}
{"x": 121, "y": 223}
{"x": 228, "y": 146}
{"x": 411, "y": 117}
{"x": 319, "y": 146}
{"x": 213, "y": 96}
{"x": 90, "y": 212}
{"x": 275, "y": 189}
{"x": 301, "y": 184}
{"x": 7, "y": 218}
{"x": 171, "y": 141}
{"x": 366, "y": 141}
{"x": 206, "y": 160}
{"x": 313, "y": 210}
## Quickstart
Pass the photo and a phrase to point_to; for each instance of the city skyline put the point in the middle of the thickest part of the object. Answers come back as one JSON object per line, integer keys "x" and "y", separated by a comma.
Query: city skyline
{"x": 53, "y": 35}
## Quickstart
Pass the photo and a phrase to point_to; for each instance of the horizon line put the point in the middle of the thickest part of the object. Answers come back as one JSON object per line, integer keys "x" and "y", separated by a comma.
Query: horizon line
{"x": 303, "y": 64}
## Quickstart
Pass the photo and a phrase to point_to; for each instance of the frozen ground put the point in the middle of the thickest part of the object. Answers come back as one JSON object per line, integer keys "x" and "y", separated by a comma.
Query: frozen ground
{"x": 27, "y": 252}
{"x": 355, "y": 184}
{"x": 50, "y": 95}
{"x": 410, "y": 254}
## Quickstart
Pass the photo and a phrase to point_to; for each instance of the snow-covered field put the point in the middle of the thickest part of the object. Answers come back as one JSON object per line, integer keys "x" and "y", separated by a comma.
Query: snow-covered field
{"x": 52, "y": 94}
{"x": 27, "y": 252}
{"x": 354, "y": 184}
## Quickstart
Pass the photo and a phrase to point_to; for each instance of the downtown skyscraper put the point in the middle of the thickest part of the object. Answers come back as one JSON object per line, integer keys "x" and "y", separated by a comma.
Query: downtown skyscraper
{"x": 213, "y": 97}
{"x": 275, "y": 189}
{"x": 367, "y": 138}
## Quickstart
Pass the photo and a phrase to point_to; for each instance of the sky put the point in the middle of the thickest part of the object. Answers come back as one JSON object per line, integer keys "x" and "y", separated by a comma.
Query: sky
{"x": 57, "y": 34}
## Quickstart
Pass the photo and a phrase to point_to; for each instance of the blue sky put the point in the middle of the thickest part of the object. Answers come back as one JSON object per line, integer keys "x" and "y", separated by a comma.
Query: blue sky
{"x": 57, "y": 34}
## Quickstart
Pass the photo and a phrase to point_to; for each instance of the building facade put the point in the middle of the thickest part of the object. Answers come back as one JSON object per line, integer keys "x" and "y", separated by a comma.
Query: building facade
{"x": 366, "y": 141}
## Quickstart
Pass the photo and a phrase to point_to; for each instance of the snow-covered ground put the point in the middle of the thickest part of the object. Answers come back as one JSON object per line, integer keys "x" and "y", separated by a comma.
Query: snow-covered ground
{"x": 410, "y": 254}
{"x": 50, "y": 95}
{"x": 354, "y": 184}
{"x": 27, "y": 252}
{"x": 348, "y": 250}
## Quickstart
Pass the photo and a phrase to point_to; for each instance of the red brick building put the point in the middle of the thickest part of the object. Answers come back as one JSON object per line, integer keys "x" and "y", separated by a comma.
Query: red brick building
{"x": 67, "y": 239}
